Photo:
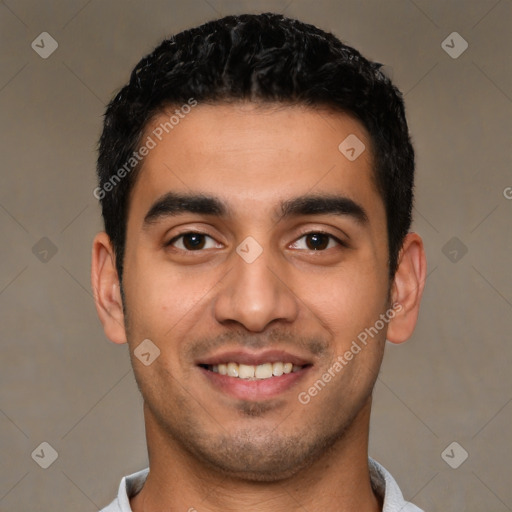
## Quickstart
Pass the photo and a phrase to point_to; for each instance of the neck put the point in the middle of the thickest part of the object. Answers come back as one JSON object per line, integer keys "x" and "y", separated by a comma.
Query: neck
{"x": 339, "y": 480}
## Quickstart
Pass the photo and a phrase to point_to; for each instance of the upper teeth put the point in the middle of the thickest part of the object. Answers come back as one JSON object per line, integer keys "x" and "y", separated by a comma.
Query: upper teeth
{"x": 248, "y": 371}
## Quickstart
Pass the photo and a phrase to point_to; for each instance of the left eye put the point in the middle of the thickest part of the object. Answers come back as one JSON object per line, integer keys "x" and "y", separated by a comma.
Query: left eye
{"x": 316, "y": 242}
{"x": 193, "y": 242}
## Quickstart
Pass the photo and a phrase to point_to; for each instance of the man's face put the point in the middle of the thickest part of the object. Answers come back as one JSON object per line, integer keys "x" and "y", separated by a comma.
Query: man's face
{"x": 260, "y": 271}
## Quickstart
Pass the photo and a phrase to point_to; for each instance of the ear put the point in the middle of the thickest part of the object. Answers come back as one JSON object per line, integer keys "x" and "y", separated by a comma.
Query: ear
{"x": 106, "y": 289}
{"x": 407, "y": 288}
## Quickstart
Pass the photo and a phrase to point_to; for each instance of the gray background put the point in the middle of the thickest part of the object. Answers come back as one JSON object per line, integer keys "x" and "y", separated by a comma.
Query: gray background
{"x": 62, "y": 382}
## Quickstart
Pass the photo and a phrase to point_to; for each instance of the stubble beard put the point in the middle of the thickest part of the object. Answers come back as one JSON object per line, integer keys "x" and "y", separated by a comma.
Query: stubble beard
{"x": 254, "y": 453}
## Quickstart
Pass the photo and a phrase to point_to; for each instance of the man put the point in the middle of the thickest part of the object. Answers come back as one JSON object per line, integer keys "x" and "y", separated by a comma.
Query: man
{"x": 255, "y": 178}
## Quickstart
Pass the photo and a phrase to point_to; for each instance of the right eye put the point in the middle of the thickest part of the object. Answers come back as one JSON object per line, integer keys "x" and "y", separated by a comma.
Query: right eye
{"x": 193, "y": 241}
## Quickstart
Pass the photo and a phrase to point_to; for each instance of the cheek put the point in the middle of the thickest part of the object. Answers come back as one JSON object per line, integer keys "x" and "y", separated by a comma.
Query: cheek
{"x": 346, "y": 301}
{"x": 163, "y": 300}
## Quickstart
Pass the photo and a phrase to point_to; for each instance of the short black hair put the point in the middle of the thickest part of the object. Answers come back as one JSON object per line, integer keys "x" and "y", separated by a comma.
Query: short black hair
{"x": 261, "y": 58}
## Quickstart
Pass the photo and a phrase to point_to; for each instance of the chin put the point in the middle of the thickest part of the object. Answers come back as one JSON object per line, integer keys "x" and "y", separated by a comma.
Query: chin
{"x": 263, "y": 457}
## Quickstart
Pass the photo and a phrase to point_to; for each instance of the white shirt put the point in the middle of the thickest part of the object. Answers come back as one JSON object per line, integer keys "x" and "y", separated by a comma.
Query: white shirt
{"x": 382, "y": 483}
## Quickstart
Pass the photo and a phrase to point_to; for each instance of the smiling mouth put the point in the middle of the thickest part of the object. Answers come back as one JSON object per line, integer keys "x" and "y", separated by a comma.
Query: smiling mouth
{"x": 254, "y": 372}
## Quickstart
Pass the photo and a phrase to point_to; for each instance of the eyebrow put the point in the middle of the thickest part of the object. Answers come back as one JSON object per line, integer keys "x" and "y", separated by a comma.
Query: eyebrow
{"x": 172, "y": 204}
{"x": 324, "y": 205}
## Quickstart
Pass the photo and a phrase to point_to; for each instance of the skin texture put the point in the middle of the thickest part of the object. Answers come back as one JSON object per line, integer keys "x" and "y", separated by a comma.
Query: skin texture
{"x": 208, "y": 449}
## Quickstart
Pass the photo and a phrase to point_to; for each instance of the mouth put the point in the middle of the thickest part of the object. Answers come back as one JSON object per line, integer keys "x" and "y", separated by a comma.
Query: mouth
{"x": 250, "y": 376}
{"x": 253, "y": 372}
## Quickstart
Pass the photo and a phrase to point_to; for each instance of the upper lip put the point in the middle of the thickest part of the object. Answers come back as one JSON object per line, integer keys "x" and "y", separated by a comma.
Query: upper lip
{"x": 253, "y": 358}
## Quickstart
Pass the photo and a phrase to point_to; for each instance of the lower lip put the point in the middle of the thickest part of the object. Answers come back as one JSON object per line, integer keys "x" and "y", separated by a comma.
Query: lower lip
{"x": 245, "y": 389}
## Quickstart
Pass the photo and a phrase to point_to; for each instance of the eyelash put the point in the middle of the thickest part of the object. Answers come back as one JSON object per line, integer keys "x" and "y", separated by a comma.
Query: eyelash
{"x": 329, "y": 235}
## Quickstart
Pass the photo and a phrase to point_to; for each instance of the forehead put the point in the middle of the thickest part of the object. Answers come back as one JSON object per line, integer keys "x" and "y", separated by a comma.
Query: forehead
{"x": 255, "y": 155}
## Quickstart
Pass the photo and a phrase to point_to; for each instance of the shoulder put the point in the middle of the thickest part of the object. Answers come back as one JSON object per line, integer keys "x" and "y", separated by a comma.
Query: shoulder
{"x": 113, "y": 507}
{"x": 130, "y": 485}
{"x": 385, "y": 486}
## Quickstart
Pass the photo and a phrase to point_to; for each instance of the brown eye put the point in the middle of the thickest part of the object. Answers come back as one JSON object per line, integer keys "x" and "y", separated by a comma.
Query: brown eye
{"x": 193, "y": 242}
{"x": 317, "y": 241}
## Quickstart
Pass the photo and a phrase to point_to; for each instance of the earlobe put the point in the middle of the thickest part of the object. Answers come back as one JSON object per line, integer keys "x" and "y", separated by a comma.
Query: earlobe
{"x": 106, "y": 289}
{"x": 407, "y": 288}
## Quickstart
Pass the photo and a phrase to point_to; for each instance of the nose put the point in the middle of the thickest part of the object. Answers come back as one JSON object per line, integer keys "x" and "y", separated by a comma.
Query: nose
{"x": 255, "y": 294}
